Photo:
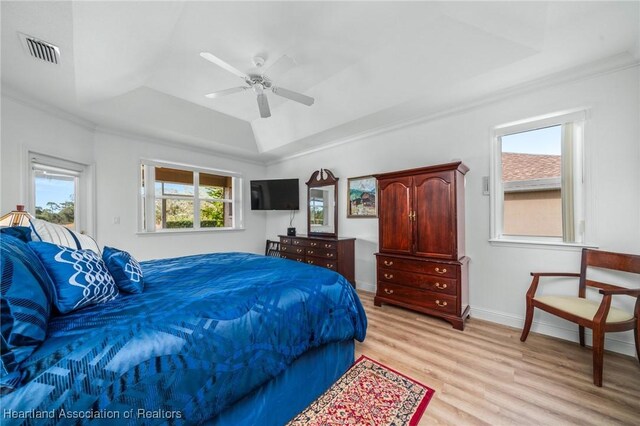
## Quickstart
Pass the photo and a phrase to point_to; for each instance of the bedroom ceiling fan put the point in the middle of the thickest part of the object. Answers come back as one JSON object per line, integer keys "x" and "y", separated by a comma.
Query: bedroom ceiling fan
{"x": 259, "y": 81}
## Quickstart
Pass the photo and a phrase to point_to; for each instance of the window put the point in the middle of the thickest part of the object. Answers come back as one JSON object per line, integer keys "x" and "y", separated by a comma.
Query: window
{"x": 176, "y": 197}
{"x": 55, "y": 189}
{"x": 537, "y": 192}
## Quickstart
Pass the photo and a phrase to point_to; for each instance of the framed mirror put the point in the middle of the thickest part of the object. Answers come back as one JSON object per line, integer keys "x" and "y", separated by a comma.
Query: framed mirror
{"x": 322, "y": 204}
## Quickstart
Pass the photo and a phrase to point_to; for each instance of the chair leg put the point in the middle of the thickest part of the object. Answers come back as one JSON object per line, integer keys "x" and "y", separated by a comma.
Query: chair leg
{"x": 638, "y": 339}
{"x": 581, "y": 332}
{"x": 598, "y": 355}
{"x": 527, "y": 321}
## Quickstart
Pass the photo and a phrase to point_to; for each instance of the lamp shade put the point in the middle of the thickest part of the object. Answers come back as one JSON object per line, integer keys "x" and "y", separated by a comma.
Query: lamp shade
{"x": 17, "y": 217}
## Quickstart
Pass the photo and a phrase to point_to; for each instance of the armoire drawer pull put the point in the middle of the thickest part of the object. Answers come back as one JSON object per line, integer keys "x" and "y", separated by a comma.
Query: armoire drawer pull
{"x": 388, "y": 276}
{"x": 440, "y": 286}
{"x": 386, "y": 290}
{"x": 441, "y": 304}
{"x": 388, "y": 263}
{"x": 441, "y": 271}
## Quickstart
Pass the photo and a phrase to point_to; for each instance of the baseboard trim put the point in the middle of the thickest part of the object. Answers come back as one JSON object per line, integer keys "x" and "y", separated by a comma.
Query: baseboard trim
{"x": 365, "y": 286}
{"x": 565, "y": 333}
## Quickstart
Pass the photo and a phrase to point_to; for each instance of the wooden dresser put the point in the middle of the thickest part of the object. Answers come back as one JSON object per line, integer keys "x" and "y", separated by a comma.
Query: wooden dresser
{"x": 332, "y": 253}
{"x": 421, "y": 263}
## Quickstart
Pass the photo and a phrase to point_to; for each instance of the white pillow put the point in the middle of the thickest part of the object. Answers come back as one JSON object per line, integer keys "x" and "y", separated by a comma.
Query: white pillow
{"x": 41, "y": 230}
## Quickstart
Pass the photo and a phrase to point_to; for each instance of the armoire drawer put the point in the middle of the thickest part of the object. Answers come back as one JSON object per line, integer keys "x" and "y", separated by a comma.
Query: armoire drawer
{"x": 437, "y": 302}
{"x": 422, "y": 281}
{"x": 421, "y": 266}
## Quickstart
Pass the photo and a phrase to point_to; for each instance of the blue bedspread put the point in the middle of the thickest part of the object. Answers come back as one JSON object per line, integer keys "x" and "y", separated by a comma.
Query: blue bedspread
{"x": 207, "y": 330}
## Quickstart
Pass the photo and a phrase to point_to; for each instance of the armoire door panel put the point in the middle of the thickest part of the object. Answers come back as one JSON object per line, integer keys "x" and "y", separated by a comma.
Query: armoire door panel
{"x": 435, "y": 218}
{"x": 395, "y": 223}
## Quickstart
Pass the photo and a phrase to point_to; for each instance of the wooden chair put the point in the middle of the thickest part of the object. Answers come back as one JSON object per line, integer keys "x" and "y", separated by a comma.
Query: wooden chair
{"x": 272, "y": 248}
{"x": 601, "y": 317}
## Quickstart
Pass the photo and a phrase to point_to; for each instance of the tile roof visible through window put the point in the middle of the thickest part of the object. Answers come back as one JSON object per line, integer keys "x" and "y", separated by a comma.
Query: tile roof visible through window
{"x": 522, "y": 167}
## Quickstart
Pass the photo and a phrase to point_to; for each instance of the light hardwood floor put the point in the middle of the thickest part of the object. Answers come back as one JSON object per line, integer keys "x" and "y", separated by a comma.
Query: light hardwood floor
{"x": 485, "y": 375}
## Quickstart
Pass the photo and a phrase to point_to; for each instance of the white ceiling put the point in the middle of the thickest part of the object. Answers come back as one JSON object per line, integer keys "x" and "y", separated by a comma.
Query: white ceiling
{"x": 135, "y": 66}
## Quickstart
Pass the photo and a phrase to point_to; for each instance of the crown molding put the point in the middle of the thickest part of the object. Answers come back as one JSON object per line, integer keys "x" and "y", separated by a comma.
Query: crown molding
{"x": 606, "y": 66}
{"x": 24, "y": 99}
{"x": 114, "y": 131}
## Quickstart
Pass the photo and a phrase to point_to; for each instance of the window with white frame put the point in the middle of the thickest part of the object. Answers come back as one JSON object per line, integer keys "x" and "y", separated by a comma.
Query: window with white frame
{"x": 537, "y": 180}
{"x": 178, "y": 197}
{"x": 55, "y": 190}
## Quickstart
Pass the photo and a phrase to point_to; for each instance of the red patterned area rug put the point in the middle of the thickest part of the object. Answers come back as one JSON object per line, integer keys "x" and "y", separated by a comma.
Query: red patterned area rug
{"x": 368, "y": 394}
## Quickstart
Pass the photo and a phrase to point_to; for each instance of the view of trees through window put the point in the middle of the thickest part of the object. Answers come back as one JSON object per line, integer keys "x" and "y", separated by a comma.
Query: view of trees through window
{"x": 55, "y": 198}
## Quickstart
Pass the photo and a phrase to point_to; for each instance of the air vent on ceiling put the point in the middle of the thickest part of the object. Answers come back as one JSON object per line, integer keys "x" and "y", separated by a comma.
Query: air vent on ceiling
{"x": 40, "y": 49}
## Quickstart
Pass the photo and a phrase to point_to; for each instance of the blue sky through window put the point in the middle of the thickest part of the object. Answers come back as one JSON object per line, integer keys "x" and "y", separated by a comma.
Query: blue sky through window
{"x": 540, "y": 141}
{"x": 54, "y": 189}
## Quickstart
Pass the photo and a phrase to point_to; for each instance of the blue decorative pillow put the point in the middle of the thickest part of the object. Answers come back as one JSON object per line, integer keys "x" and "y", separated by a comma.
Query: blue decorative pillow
{"x": 27, "y": 296}
{"x": 124, "y": 269}
{"x": 80, "y": 277}
{"x": 10, "y": 375}
{"x": 20, "y": 232}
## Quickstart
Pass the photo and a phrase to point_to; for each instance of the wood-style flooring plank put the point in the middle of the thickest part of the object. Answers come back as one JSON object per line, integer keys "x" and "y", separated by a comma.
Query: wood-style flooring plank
{"x": 486, "y": 376}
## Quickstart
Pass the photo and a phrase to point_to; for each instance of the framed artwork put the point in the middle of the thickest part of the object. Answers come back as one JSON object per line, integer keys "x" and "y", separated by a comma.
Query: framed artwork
{"x": 362, "y": 192}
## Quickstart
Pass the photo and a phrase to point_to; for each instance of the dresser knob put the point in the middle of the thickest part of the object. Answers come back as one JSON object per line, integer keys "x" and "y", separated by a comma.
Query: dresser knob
{"x": 299, "y": 260}
{"x": 283, "y": 249}
{"x": 441, "y": 304}
{"x": 310, "y": 262}
{"x": 388, "y": 276}
{"x": 327, "y": 246}
{"x": 443, "y": 271}
{"x": 329, "y": 265}
{"x": 296, "y": 242}
{"x": 329, "y": 254}
{"x": 386, "y": 290}
{"x": 440, "y": 286}
{"x": 388, "y": 263}
{"x": 299, "y": 250}
{"x": 309, "y": 251}
{"x": 314, "y": 244}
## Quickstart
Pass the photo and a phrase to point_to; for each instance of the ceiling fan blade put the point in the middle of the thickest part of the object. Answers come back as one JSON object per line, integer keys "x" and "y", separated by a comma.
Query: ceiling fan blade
{"x": 279, "y": 67}
{"x": 222, "y": 64}
{"x": 294, "y": 96}
{"x": 226, "y": 92}
{"x": 263, "y": 105}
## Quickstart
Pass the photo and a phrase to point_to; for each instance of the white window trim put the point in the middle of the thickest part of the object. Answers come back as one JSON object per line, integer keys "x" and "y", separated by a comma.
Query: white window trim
{"x": 149, "y": 198}
{"x": 577, "y": 116}
{"x": 85, "y": 186}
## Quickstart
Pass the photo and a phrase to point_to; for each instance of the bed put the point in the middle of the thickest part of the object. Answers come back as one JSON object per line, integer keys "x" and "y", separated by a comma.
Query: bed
{"x": 219, "y": 339}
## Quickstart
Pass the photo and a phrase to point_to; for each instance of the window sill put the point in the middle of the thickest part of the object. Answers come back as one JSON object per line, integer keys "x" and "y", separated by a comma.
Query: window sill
{"x": 189, "y": 231}
{"x": 550, "y": 245}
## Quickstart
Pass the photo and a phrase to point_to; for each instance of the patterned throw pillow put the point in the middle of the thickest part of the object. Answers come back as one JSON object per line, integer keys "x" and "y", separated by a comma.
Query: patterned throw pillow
{"x": 124, "y": 269}
{"x": 27, "y": 296}
{"x": 41, "y": 230}
{"x": 80, "y": 277}
{"x": 22, "y": 233}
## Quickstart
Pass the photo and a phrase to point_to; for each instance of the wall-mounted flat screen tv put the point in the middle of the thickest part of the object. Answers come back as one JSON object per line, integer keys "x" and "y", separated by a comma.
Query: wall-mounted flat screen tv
{"x": 275, "y": 194}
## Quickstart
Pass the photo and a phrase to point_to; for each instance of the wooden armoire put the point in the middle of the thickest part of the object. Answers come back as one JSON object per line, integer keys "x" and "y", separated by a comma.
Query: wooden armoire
{"x": 421, "y": 262}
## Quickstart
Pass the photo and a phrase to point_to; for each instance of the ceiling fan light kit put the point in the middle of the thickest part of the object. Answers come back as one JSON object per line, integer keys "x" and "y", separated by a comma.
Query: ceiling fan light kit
{"x": 259, "y": 82}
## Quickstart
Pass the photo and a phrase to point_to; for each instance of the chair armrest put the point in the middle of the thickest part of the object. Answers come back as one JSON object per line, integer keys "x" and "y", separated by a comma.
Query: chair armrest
{"x": 554, "y": 274}
{"x": 628, "y": 291}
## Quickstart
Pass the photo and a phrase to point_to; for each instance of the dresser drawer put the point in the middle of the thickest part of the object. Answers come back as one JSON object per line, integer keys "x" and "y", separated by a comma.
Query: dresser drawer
{"x": 322, "y": 262}
{"x": 423, "y": 267}
{"x": 322, "y": 253}
{"x": 299, "y": 242}
{"x": 414, "y": 296}
{"x": 284, "y": 240}
{"x": 292, "y": 256}
{"x": 422, "y": 281}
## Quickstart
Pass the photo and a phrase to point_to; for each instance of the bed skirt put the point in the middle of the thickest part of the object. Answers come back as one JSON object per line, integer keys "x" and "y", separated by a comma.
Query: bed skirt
{"x": 279, "y": 400}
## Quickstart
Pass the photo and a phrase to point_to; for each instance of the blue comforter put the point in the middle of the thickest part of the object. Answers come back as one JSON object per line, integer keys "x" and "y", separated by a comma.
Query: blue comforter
{"x": 207, "y": 330}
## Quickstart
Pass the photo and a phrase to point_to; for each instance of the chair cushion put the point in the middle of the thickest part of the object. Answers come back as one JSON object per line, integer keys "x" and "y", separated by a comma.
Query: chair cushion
{"x": 583, "y": 308}
{"x": 80, "y": 277}
{"x": 125, "y": 270}
{"x": 48, "y": 232}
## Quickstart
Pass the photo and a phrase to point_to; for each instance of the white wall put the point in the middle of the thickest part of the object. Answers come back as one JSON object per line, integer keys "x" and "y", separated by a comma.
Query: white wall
{"x": 499, "y": 275}
{"x": 116, "y": 163}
